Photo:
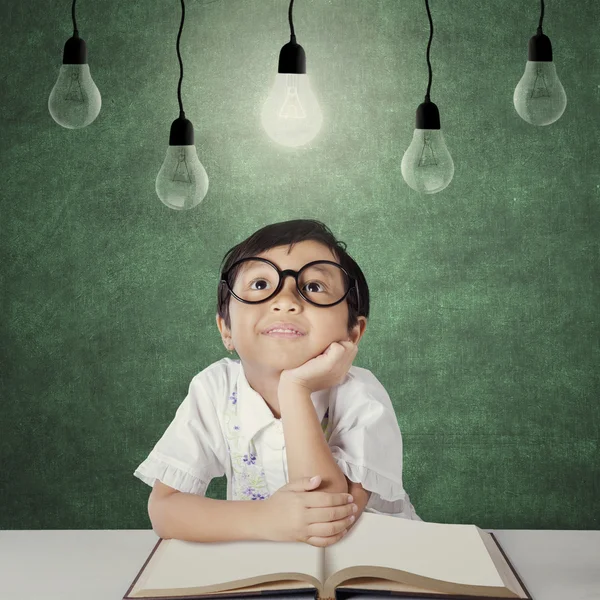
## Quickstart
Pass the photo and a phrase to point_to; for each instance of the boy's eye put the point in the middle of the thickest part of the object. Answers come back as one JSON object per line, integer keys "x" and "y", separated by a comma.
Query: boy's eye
{"x": 263, "y": 283}
{"x": 314, "y": 283}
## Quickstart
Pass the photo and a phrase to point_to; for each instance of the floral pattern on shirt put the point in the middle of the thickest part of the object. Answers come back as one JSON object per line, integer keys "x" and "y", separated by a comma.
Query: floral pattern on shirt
{"x": 248, "y": 476}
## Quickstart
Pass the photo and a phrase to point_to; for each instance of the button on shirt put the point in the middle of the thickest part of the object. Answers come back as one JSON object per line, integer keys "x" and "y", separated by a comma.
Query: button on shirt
{"x": 224, "y": 427}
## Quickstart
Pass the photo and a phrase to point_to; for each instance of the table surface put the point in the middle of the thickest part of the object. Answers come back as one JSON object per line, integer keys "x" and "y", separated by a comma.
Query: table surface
{"x": 101, "y": 564}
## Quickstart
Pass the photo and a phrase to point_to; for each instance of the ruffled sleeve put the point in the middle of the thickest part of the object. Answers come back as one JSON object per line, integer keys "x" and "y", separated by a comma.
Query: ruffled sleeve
{"x": 366, "y": 444}
{"x": 192, "y": 450}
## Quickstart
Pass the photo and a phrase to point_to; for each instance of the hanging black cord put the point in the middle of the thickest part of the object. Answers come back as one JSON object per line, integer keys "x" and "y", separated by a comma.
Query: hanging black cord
{"x": 181, "y": 113}
{"x": 428, "y": 47}
{"x": 75, "y": 32}
{"x": 293, "y": 34}
{"x": 539, "y": 30}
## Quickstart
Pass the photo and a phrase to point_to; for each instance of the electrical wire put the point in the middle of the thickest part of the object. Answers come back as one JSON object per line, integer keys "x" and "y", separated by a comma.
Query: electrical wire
{"x": 428, "y": 47}
{"x": 181, "y": 113}
{"x": 292, "y": 33}
{"x": 75, "y": 32}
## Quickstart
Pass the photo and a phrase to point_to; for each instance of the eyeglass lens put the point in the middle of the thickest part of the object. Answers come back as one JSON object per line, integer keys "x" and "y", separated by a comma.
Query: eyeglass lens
{"x": 321, "y": 283}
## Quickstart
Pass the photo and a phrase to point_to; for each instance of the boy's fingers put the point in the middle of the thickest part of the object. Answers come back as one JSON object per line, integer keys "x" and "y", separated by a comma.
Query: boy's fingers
{"x": 323, "y": 499}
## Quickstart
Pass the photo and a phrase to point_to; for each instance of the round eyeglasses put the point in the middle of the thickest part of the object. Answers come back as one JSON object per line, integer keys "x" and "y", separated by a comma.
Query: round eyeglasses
{"x": 320, "y": 282}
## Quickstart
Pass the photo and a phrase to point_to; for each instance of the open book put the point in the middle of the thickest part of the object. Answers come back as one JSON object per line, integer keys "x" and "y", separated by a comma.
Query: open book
{"x": 380, "y": 554}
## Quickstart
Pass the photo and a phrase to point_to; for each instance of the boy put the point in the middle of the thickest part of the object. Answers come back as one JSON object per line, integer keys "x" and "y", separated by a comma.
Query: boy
{"x": 294, "y": 305}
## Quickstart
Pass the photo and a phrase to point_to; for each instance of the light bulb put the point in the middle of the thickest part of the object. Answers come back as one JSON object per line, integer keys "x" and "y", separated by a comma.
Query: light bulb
{"x": 182, "y": 182}
{"x": 75, "y": 100}
{"x": 539, "y": 97}
{"x": 291, "y": 115}
{"x": 427, "y": 165}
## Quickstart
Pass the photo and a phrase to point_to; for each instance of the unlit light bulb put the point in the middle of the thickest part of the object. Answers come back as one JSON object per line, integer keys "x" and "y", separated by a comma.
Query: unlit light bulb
{"x": 539, "y": 97}
{"x": 182, "y": 181}
{"x": 427, "y": 166}
{"x": 75, "y": 100}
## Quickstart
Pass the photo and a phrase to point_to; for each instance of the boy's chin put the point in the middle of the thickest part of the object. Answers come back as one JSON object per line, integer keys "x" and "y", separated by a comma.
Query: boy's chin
{"x": 286, "y": 358}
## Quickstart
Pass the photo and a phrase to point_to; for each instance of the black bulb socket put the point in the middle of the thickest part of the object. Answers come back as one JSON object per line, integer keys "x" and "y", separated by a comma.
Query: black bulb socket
{"x": 75, "y": 51}
{"x": 540, "y": 48}
{"x": 292, "y": 58}
{"x": 182, "y": 132}
{"x": 428, "y": 116}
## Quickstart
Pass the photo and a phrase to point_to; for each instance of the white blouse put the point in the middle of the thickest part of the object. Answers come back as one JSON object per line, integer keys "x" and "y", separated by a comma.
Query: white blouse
{"x": 224, "y": 427}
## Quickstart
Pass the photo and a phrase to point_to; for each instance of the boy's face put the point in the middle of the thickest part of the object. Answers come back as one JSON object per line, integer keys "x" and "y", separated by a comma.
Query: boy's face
{"x": 321, "y": 325}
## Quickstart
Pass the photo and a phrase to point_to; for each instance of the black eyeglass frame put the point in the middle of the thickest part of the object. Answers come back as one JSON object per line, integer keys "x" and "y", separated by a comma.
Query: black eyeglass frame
{"x": 295, "y": 275}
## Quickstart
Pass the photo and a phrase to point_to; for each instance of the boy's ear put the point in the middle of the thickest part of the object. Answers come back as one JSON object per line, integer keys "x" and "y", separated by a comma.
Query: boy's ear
{"x": 225, "y": 333}
{"x": 358, "y": 330}
{"x": 222, "y": 327}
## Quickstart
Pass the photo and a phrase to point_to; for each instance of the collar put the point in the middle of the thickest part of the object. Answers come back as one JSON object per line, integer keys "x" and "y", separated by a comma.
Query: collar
{"x": 255, "y": 413}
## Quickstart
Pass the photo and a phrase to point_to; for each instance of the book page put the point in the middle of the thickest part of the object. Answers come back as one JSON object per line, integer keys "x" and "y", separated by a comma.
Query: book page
{"x": 183, "y": 564}
{"x": 453, "y": 553}
{"x": 510, "y": 580}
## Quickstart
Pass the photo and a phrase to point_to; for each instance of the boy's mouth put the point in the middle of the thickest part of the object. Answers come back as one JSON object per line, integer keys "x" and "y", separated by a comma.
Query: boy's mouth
{"x": 284, "y": 329}
{"x": 284, "y": 334}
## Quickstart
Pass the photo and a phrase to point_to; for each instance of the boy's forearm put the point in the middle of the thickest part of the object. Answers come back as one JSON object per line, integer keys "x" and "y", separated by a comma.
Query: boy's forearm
{"x": 195, "y": 518}
{"x": 307, "y": 451}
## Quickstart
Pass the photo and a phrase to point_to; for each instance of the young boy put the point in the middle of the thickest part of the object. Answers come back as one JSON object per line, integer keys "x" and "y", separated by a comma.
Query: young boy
{"x": 293, "y": 305}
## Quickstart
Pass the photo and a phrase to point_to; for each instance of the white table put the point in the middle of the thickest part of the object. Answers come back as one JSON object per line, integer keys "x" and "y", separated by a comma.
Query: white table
{"x": 101, "y": 564}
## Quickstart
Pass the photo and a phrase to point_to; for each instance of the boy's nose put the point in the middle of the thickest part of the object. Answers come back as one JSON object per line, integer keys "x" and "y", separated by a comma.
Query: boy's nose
{"x": 288, "y": 288}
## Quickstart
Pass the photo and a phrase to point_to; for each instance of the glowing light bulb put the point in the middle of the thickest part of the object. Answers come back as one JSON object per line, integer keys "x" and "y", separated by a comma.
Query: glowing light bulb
{"x": 75, "y": 100}
{"x": 182, "y": 181}
{"x": 427, "y": 165}
{"x": 291, "y": 114}
{"x": 539, "y": 97}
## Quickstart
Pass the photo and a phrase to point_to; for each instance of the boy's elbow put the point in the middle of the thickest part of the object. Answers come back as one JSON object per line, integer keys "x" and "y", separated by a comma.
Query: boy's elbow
{"x": 156, "y": 519}
{"x": 155, "y": 523}
{"x": 159, "y": 494}
{"x": 159, "y": 533}
{"x": 159, "y": 530}
{"x": 341, "y": 483}
{"x": 335, "y": 485}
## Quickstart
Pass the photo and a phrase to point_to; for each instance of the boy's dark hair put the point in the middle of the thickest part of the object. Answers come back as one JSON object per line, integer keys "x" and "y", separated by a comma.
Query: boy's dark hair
{"x": 289, "y": 233}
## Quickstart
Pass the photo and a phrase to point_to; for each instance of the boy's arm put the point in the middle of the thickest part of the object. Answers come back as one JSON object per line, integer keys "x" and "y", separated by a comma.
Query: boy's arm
{"x": 195, "y": 518}
{"x": 307, "y": 450}
{"x": 361, "y": 498}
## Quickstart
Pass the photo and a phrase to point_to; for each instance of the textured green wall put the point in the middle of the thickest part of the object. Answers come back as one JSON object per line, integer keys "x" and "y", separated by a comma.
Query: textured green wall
{"x": 485, "y": 321}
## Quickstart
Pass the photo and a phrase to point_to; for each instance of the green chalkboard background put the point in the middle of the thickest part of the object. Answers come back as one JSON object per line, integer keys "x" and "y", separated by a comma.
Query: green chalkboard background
{"x": 485, "y": 322}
